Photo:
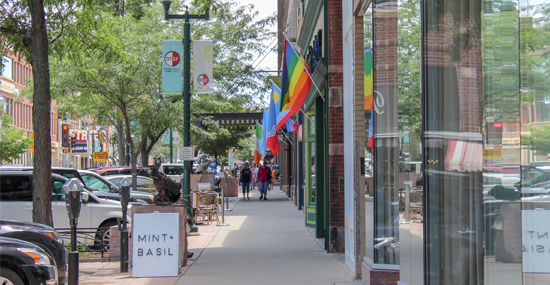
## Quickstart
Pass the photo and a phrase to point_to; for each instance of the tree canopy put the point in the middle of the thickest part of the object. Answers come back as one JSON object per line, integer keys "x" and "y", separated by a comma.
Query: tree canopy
{"x": 13, "y": 143}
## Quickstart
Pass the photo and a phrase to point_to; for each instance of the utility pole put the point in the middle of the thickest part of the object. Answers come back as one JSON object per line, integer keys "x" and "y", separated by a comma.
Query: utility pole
{"x": 186, "y": 98}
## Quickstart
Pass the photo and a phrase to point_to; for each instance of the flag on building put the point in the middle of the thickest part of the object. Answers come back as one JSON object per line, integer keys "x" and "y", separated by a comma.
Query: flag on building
{"x": 291, "y": 125}
{"x": 263, "y": 149}
{"x": 272, "y": 140}
{"x": 295, "y": 85}
{"x": 371, "y": 130}
{"x": 368, "y": 78}
{"x": 257, "y": 144}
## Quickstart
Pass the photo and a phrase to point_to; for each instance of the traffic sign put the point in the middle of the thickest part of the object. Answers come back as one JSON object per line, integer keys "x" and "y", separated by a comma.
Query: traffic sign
{"x": 101, "y": 156}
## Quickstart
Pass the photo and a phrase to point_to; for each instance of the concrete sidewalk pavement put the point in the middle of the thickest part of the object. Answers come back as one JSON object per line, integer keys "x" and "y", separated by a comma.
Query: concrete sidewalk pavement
{"x": 266, "y": 243}
{"x": 108, "y": 272}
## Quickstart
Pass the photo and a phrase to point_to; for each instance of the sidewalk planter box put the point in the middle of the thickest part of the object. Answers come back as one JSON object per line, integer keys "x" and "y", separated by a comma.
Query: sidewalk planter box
{"x": 180, "y": 209}
{"x": 201, "y": 178}
{"x": 232, "y": 186}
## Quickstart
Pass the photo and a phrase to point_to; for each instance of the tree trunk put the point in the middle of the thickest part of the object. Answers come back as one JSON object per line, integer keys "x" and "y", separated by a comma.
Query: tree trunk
{"x": 38, "y": 47}
{"x": 144, "y": 156}
{"x": 121, "y": 144}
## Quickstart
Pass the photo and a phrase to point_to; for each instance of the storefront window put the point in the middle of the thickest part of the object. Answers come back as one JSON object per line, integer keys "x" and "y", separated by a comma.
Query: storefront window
{"x": 453, "y": 141}
{"x": 386, "y": 132}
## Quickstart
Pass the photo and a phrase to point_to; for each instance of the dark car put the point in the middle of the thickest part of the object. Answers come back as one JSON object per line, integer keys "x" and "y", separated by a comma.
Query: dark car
{"x": 44, "y": 236}
{"x": 22, "y": 262}
{"x": 115, "y": 170}
{"x": 104, "y": 188}
{"x": 73, "y": 173}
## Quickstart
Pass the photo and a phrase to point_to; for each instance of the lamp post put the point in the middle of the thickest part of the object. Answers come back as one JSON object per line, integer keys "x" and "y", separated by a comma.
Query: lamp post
{"x": 186, "y": 97}
{"x": 122, "y": 226}
{"x": 73, "y": 190}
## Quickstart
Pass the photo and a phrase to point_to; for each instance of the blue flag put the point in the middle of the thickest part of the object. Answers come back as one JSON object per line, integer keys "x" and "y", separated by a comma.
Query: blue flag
{"x": 263, "y": 150}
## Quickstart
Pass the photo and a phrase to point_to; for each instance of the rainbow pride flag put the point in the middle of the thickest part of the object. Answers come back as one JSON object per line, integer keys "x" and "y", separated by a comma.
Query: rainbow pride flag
{"x": 296, "y": 84}
{"x": 368, "y": 78}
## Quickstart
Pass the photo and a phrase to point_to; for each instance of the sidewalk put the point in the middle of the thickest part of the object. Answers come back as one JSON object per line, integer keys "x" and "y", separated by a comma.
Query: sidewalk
{"x": 266, "y": 242}
{"x": 108, "y": 272}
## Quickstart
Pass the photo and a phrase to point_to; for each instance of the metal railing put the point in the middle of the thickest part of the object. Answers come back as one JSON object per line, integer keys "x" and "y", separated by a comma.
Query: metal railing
{"x": 88, "y": 240}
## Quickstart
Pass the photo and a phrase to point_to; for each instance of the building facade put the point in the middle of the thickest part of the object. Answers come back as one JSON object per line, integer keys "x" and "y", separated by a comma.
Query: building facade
{"x": 85, "y": 136}
{"x": 459, "y": 119}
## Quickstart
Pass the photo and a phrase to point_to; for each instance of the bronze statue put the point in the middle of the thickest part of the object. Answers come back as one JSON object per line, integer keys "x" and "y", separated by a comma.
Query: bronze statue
{"x": 168, "y": 189}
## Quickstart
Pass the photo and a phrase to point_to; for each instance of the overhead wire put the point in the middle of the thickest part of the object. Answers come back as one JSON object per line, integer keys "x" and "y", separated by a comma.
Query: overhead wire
{"x": 269, "y": 46}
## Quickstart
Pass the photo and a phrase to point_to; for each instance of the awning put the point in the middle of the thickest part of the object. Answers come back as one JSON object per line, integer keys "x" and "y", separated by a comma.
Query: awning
{"x": 464, "y": 156}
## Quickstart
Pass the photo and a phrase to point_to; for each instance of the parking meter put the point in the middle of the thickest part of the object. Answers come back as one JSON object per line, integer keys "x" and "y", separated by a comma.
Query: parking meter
{"x": 122, "y": 225}
{"x": 73, "y": 190}
{"x": 125, "y": 193}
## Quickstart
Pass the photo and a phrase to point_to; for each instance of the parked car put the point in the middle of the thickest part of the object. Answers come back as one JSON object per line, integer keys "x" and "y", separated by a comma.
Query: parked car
{"x": 73, "y": 173}
{"x": 533, "y": 176}
{"x": 173, "y": 170}
{"x": 22, "y": 263}
{"x": 44, "y": 236}
{"x": 104, "y": 171}
{"x": 144, "y": 184}
{"x": 104, "y": 188}
{"x": 95, "y": 214}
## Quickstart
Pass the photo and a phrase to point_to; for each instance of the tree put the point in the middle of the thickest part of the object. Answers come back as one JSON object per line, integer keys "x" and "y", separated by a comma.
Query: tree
{"x": 12, "y": 143}
{"x": 538, "y": 140}
{"x": 24, "y": 32}
{"x": 111, "y": 69}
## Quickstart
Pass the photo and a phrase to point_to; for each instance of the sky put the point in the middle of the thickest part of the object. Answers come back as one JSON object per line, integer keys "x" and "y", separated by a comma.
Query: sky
{"x": 265, "y": 8}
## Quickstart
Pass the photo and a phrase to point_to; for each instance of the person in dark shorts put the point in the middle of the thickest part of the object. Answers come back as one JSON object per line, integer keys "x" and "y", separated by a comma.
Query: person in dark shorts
{"x": 246, "y": 175}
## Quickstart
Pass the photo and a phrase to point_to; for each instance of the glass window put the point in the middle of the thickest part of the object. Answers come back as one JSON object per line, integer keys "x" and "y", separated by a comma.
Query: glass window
{"x": 58, "y": 193}
{"x": 15, "y": 188}
{"x": 7, "y": 70}
{"x": 95, "y": 183}
{"x": 386, "y": 132}
{"x": 173, "y": 170}
{"x": 312, "y": 171}
{"x": 115, "y": 180}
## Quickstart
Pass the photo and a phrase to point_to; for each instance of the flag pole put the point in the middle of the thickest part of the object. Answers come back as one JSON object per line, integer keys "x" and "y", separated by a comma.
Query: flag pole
{"x": 305, "y": 68}
{"x": 307, "y": 116}
{"x": 284, "y": 133}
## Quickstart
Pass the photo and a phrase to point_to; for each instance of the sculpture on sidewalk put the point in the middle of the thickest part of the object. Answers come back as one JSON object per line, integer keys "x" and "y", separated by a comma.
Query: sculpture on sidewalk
{"x": 168, "y": 189}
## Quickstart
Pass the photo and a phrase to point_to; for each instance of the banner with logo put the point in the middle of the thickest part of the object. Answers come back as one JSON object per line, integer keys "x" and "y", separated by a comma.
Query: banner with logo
{"x": 172, "y": 62}
{"x": 203, "y": 62}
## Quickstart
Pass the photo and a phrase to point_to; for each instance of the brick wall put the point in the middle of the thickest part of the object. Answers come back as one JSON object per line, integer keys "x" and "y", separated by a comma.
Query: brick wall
{"x": 335, "y": 128}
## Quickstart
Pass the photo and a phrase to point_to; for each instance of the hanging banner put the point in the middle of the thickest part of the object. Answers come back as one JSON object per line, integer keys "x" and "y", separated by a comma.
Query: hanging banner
{"x": 172, "y": 50}
{"x": 368, "y": 77}
{"x": 203, "y": 62}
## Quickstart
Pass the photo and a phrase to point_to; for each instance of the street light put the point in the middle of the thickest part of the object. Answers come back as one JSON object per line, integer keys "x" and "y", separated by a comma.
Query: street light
{"x": 122, "y": 226}
{"x": 186, "y": 98}
{"x": 73, "y": 189}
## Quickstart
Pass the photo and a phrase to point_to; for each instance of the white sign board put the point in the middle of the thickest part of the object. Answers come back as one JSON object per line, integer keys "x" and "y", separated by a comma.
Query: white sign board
{"x": 203, "y": 62}
{"x": 187, "y": 153}
{"x": 66, "y": 163}
{"x": 536, "y": 241}
{"x": 155, "y": 245}
{"x": 176, "y": 137}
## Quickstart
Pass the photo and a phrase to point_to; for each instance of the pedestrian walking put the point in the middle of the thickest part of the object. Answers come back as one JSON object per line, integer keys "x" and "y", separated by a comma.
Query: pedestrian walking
{"x": 254, "y": 181}
{"x": 264, "y": 174}
{"x": 246, "y": 174}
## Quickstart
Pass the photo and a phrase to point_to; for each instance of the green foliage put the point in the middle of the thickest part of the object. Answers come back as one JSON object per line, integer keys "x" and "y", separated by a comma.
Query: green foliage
{"x": 13, "y": 143}
{"x": 538, "y": 140}
{"x": 15, "y": 24}
{"x": 409, "y": 61}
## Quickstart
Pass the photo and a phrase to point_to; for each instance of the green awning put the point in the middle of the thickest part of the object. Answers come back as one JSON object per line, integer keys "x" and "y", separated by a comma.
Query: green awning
{"x": 319, "y": 77}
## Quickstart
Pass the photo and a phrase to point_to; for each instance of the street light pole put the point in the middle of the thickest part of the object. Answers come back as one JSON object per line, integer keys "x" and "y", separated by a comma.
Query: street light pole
{"x": 186, "y": 99}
